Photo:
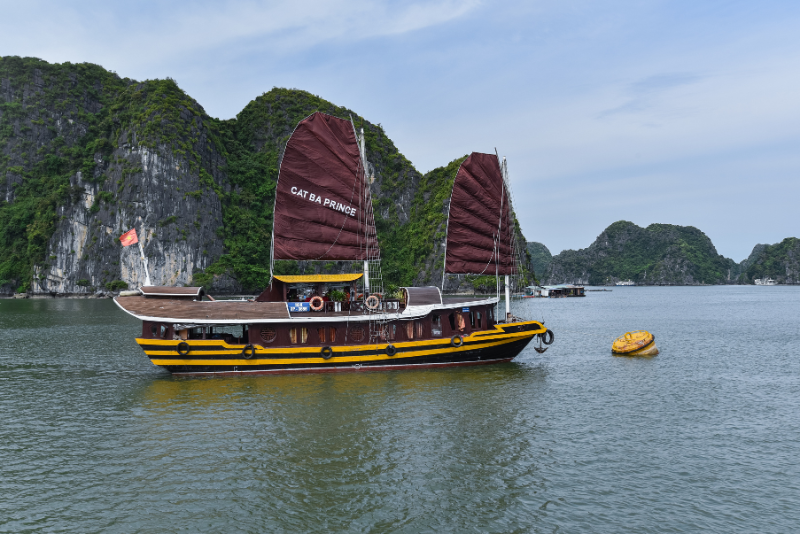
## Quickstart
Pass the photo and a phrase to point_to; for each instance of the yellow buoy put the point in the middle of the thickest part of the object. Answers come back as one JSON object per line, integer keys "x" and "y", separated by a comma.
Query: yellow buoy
{"x": 638, "y": 343}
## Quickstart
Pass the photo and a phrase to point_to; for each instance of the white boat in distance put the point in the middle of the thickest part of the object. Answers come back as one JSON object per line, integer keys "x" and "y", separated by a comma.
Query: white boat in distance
{"x": 626, "y": 283}
{"x": 765, "y": 282}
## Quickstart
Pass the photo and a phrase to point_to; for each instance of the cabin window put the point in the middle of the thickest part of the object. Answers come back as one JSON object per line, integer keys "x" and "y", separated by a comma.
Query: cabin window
{"x": 436, "y": 325}
{"x": 298, "y": 335}
{"x": 326, "y": 334}
{"x": 479, "y": 319}
{"x": 472, "y": 319}
{"x": 357, "y": 333}
{"x": 164, "y": 331}
{"x": 491, "y": 314}
{"x": 418, "y": 328}
{"x": 391, "y": 331}
{"x": 460, "y": 324}
{"x": 452, "y": 318}
{"x": 268, "y": 334}
{"x": 153, "y": 331}
{"x": 410, "y": 330}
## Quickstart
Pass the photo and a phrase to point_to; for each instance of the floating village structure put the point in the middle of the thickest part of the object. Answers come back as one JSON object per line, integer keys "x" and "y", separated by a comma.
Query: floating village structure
{"x": 557, "y": 291}
{"x": 318, "y": 323}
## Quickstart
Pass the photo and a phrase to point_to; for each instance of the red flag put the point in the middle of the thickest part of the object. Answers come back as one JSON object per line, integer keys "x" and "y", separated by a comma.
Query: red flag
{"x": 129, "y": 238}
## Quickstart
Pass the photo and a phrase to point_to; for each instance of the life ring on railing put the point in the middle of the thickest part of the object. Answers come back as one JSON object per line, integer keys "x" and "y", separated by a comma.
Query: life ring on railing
{"x": 326, "y": 352}
{"x": 248, "y": 352}
{"x": 183, "y": 348}
{"x": 456, "y": 340}
{"x": 319, "y": 303}
{"x": 373, "y": 301}
{"x": 547, "y": 337}
{"x": 391, "y": 350}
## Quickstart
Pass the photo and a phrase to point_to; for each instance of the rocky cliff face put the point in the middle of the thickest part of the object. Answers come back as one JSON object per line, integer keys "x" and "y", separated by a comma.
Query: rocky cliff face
{"x": 86, "y": 155}
{"x": 540, "y": 257}
{"x": 660, "y": 254}
{"x": 780, "y": 261}
{"x": 73, "y": 136}
{"x": 177, "y": 229}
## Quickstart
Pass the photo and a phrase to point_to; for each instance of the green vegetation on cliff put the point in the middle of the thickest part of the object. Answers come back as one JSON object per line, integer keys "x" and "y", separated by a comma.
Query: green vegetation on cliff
{"x": 540, "y": 257}
{"x": 73, "y": 143}
{"x": 658, "y": 254}
{"x": 780, "y": 261}
{"x": 36, "y": 166}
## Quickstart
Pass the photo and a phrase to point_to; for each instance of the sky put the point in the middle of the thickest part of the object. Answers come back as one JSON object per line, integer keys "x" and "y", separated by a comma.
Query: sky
{"x": 678, "y": 112}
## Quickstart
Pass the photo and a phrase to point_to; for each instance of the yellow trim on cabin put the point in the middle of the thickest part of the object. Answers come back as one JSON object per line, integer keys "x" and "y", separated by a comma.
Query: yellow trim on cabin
{"x": 315, "y": 278}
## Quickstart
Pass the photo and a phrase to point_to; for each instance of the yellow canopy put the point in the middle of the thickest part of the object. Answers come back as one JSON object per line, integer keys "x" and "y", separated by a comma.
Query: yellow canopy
{"x": 316, "y": 278}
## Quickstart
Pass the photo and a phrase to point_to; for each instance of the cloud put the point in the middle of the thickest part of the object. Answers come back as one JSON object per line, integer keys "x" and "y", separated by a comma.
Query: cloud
{"x": 644, "y": 94}
{"x": 147, "y": 33}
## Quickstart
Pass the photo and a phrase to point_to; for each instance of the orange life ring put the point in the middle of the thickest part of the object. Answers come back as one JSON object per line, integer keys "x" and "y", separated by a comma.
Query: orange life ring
{"x": 373, "y": 302}
{"x": 319, "y": 303}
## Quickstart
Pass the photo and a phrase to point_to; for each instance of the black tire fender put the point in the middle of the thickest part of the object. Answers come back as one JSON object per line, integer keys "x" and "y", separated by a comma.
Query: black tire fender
{"x": 456, "y": 340}
{"x": 326, "y": 352}
{"x": 547, "y": 337}
{"x": 183, "y": 348}
{"x": 248, "y": 352}
{"x": 391, "y": 350}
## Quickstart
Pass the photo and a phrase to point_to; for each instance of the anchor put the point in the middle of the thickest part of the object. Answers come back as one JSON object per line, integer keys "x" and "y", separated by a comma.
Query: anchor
{"x": 545, "y": 338}
{"x": 540, "y": 349}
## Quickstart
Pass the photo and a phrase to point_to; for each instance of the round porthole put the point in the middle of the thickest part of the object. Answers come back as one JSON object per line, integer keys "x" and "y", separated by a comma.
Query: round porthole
{"x": 268, "y": 334}
{"x": 357, "y": 333}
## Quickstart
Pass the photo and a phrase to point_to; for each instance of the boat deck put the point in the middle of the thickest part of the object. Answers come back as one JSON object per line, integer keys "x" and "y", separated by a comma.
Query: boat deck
{"x": 361, "y": 310}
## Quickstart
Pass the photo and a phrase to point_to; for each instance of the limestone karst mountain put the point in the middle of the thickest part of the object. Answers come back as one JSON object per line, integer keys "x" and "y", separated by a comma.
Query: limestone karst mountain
{"x": 86, "y": 155}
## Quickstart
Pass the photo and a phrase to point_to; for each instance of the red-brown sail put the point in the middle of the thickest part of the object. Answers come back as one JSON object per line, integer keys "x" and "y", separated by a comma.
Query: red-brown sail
{"x": 479, "y": 231}
{"x": 321, "y": 209}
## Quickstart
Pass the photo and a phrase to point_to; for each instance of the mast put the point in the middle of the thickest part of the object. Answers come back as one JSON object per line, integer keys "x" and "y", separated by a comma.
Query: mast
{"x": 144, "y": 259}
{"x": 363, "y": 149}
{"x": 508, "y": 277}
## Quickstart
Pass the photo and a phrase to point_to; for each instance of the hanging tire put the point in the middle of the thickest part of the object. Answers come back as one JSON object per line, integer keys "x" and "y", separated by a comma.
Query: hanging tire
{"x": 326, "y": 352}
{"x": 391, "y": 350}
{"x": 456, "y": 340}
{"x": 248, "y": 352}
{"x": 183, "y": 348}
{"x": 547, "y": 337}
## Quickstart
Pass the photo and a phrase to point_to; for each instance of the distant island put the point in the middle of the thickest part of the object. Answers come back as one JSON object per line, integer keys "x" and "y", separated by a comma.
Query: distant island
{"x": 663, "y": 254}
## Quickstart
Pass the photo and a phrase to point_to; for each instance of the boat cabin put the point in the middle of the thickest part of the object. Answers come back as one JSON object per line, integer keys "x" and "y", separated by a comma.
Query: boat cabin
{"x": 419, "y": 313}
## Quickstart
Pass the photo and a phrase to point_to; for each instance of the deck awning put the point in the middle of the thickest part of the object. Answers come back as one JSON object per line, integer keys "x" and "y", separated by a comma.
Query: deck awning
{"x": 202, "y": 312}
{"x": 317, "y": 278}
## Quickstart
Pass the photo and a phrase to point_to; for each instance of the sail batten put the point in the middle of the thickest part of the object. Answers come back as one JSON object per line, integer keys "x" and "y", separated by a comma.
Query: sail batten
{"x": 479, "y": 229}
{"x": 321, "y": 201}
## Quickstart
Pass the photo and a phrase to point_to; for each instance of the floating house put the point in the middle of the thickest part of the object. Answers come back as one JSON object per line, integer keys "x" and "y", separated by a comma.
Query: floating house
{"x": 561, "y": 290}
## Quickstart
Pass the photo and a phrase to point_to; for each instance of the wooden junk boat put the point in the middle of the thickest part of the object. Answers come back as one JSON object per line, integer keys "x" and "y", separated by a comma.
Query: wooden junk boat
{"x": 323, "y": 211}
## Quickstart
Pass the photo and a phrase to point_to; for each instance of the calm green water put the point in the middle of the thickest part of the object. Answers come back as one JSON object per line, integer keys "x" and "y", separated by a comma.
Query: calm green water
{"x": 704, "y": 437}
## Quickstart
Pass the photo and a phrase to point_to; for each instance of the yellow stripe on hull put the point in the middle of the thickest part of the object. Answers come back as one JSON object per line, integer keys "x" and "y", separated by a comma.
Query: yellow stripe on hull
{"x": 311, "y": 355}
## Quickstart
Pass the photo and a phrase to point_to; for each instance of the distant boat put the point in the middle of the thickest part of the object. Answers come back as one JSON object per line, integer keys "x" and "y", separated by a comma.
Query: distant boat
{"x": 765, "y": 282}
{"x": 626, "y": 283}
